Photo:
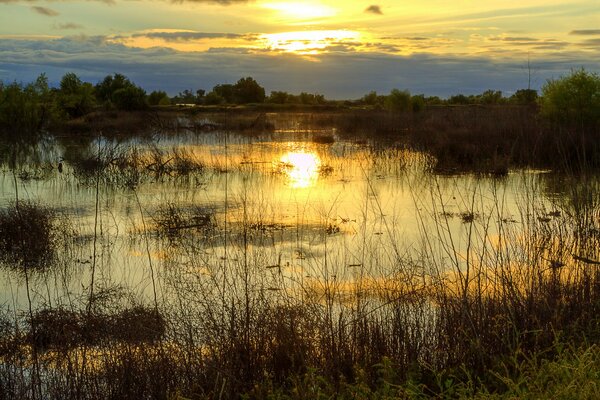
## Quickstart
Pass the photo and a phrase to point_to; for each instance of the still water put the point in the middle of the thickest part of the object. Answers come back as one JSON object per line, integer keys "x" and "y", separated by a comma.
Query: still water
{"x": 275, "y": 211}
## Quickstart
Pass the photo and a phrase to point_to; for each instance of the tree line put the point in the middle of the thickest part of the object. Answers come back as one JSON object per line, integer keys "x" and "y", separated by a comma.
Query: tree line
{"x": 31, "y": 107}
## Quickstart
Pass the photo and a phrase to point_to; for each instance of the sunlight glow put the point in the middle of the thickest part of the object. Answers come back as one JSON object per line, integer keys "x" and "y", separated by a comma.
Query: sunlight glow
{"x": 308, "y": 42}
{"x": 302, "y": 169}
{"x": 301, "y": 11}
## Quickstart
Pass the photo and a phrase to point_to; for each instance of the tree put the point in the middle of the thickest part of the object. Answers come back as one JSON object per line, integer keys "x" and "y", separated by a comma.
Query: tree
{"x": 524, "y": 97}
{"x": 213, "y": 99}
{"x": 130, "y": 98}
{"x": 458, "y": 99}
{"x": 573, "y": 100}
{"x": 158, "y": 97}
{"x": 490, "y": 97}
{"x": 225, "y": 91}
{"x": 398, "y": 100}
{"x": 26, "y": 110}
{"x": 247, "y": 90}
{"x": 277, "y": 97}
{"x": 75, "y": 97}
{"x": 119, "y": 91}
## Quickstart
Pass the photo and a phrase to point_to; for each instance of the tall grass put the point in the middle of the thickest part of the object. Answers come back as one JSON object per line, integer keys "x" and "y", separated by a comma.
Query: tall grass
{"x": 482, "y": 301}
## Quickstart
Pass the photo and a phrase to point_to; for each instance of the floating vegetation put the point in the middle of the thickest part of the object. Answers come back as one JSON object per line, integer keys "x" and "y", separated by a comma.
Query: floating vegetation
{"x": 28, "y": 236}
{"x": 173, "y": 221}
{"x": 59, "y": 328}
{"x": 129, "y": 167}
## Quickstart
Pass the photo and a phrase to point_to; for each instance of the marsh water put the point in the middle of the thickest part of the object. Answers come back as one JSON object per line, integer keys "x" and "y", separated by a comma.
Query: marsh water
{"x": 276, "y": 211}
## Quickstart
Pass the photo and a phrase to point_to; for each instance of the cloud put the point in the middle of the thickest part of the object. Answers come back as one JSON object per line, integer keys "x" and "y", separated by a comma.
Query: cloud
{"x": 374, "y": 9}
{"x": 184, "y": 36}
{"x": 338, "y": 74}
{"x": 68, "y": 25}
{"x": 45, "y": 11}
{"x": 585, "y": 32}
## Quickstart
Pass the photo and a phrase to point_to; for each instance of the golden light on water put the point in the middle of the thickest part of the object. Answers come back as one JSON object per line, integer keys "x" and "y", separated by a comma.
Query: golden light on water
{"x": 308, "y": 42}
{"x": 301, "y": 168}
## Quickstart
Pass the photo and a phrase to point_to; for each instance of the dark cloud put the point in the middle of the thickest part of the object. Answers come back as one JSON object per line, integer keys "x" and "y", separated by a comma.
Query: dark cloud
{"x": 374, "y": 9}
{"x": 591, "y": 43}
{"x": 45, "y": 11}
{"x": 337, "y": 74}
{"x": 585, "y": 32}
{"x": 514, "y": 39}
{"x": 185, "y": 36}
{"x": 68, "y": 25}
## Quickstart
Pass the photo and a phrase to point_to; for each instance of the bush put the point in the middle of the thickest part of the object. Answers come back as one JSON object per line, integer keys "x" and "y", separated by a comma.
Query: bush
{"x": 573, "y": 100}
{"x": 398, "y": 100}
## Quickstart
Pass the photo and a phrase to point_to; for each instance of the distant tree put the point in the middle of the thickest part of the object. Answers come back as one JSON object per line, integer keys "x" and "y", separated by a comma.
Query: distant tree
{"x": 213, "y": 99}
{"x": 75, "y": 97}
{"x": 247, "y": 90}
{"x": 278, "y": 97}
{"x": 25, "y": 110}
{"x": 417, "y": 103}
{"x": 158, "y": 98}
{"x": 433, "y": 101}
{"x": 109, "y": 85}
{"x": 117, "y": 90}
{"x": 185, "y": 97}
{"x": 370, "y": 98}
{"x": 311, "y": 99}
{"x": 458, "y": 99}
{"x": 398, "y": 100}
{"x": 130, "y": 98}
{"x": 490, "y": 97}
{"x": 226, "y": 91}
{"x": 524, "y": 97}
{"x": 573, "y": 100}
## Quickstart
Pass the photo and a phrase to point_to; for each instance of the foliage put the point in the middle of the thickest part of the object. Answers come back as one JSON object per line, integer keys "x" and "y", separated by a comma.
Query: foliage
{"x": 398, "y": 100}
{"x": 76, "y": 98}
{"x": 130, "y": 98}
{"x": 247, "y": 90}
{"x": 158, "y": 98}
{"x": 213, "y": 99}
{"x": 524, "y": 97}
{"x": 189, "y": 97}
{"x": 117, "y": 90}
{"x": 25, "y": 110}
{"x": 226, "y": 91}
{"x": 573, "y": 100}
{"x": 278, "y": 97}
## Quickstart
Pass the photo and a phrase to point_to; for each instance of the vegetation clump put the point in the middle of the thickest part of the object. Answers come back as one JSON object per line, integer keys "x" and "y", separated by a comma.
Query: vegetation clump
{"x": 27, "y": 236}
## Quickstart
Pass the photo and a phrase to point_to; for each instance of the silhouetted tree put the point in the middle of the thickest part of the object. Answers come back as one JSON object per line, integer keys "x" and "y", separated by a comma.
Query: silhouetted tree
{"x": 247, "y": 90}
{"x": 119, "y": 91}
{"x": 225, "y": 91}
{"x": 398, "y": 100}
{"x": 75, "y": 97}
{"x": 158, "y": 98}
{"x": 524, "y": 97}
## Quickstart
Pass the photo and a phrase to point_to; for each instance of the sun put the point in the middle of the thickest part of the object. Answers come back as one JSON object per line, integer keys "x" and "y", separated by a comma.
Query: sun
{"x": 302, "y": 169}
{"x": 308, "y": 42}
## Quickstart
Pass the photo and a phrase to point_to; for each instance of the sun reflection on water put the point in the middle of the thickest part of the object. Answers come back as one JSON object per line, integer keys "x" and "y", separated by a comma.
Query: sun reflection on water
{"x": 301, "y": 168}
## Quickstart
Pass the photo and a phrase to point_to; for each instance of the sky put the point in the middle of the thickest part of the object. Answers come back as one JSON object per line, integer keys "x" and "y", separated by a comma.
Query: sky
{"x": 342, "y": 49}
